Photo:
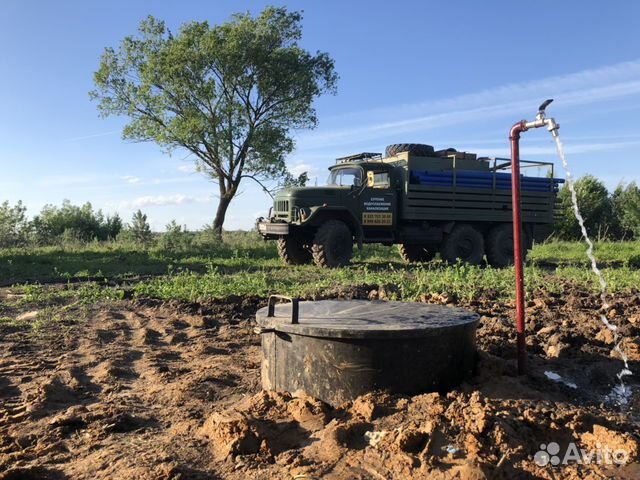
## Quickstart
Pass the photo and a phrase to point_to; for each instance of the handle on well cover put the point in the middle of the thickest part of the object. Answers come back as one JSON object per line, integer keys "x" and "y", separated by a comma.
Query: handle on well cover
{"x": 271, "y": 306}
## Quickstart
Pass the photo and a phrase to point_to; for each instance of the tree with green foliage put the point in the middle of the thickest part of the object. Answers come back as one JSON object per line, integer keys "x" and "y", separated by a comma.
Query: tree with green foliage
{"x": 626, "y": 208}
{"x": 140, "y": 230}
{"x": 111, "y": 227}
{"x": 14, "y": 225}
{"x": 595, "y": 206}
{"x": 175, "y": 237}
{"x": 228, "y": 94}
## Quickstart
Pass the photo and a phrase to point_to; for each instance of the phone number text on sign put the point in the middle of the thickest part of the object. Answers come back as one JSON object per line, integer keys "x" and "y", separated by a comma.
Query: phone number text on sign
{"x": 377, "y": 218}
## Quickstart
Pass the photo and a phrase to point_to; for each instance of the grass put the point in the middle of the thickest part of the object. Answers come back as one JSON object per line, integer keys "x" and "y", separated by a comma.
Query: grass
{"x": 573, "y": 253}
{"x": 33, "y": 307}
{"x": 119, "y": 263}
{"x": 92, "y": 274}
{"x": 408, "y": 283}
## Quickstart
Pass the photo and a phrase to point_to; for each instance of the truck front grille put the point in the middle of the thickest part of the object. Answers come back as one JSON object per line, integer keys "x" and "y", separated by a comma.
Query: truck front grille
{"x": 282, "y": 206}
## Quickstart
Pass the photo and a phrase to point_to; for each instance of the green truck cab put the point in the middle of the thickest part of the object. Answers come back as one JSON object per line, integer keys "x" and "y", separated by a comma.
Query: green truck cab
{"x": 423, "y": 200}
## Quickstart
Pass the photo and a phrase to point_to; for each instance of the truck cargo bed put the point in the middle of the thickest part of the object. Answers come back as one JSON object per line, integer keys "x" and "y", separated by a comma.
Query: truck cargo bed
{"x": 477, "y": 195}
{"x": 424, "y": 202}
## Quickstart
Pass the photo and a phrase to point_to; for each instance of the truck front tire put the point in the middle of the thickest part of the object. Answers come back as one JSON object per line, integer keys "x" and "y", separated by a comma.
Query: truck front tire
{"x": 332, "y": 244}
{"x": 415, "y": 253}
{"x": 463, "y": 243}
{"x": 293, "y": 251}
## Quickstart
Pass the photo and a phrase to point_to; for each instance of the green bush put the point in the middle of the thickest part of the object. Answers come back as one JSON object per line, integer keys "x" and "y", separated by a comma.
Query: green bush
{"x": 15, "y": 229}
{"x": 112, "y": 227}
{"x": 595, "y": 206}
{"x": 206, "y": 239}
{"x": 175, "y": 237}
{"x": 626, "y": 208}
{"x": 81, "y": 224}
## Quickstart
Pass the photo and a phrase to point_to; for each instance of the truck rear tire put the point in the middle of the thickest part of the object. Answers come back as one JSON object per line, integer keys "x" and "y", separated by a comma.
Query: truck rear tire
{"x": 332, "y": 245}
{"x": 415, "y": 253}
{"x": 463, "y": 243}
{"x": 500, "y": 245}
{"x": 418, "y": 149}
{"x": 293, "y": 251}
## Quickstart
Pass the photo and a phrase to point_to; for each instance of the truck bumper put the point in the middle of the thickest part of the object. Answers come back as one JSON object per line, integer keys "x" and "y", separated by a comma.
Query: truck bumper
{"x": 271, "y": 230}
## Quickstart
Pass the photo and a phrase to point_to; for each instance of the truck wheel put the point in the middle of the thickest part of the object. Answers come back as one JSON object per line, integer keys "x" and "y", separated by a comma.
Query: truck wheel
{"x": 500, "y": 245}
{"x": 292, "y": 251}
{"x": 419, "y": 149}
{"x": 415, "y": 253}
{"x": 332, "y": 245}
{"x": 463, "y": 243}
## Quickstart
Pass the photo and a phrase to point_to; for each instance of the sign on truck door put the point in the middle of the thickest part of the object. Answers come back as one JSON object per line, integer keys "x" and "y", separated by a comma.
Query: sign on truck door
{"x": 378, "y": 202}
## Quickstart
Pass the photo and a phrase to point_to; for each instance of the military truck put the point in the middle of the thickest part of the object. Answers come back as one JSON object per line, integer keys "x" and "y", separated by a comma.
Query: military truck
{"x": 423, "y": 200}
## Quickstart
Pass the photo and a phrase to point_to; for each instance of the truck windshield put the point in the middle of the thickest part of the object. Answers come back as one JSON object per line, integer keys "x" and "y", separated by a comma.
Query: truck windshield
{"x": 346, "y": 177}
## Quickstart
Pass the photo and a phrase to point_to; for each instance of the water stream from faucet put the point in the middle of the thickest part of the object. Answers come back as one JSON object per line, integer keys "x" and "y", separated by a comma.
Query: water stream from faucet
{"x": 621, "y": 393}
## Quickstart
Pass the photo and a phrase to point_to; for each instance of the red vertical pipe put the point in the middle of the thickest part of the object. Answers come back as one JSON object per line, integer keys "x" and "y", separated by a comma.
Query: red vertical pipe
{"x": 514, "y": 137}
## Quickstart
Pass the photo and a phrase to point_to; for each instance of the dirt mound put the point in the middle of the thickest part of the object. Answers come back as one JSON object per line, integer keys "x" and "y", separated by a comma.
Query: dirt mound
{"x": 171, "y": 391}
{"x": 268, "y": 423}
{"x": 465, "y": 435}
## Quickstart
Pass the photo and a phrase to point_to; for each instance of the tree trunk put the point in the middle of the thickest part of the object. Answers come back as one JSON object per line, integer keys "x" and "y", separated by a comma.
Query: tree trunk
{"x": 221, "y": 213}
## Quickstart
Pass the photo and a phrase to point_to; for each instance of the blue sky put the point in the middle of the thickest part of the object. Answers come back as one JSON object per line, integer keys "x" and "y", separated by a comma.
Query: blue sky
{"x": 451, "y": 74}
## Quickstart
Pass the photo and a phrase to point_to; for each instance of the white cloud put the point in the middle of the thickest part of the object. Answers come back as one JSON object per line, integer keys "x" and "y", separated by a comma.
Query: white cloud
{"x": 313, "y": 172}
{"x": 300, "y": 168}
{"x": 581, "y": 88}
{"x": 163, "y": 200}
{"x": 86, "y": 137}
{"x": 187, "y": 168}
{"x": 131, "y": 179}
{"x": 605, "y": 75}
{"x": 576, "y": 148}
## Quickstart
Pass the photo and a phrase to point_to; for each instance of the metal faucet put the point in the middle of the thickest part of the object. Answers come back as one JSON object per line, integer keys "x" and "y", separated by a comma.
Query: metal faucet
{"x": 514, "y": 137}
{"x": 542, "y": 121}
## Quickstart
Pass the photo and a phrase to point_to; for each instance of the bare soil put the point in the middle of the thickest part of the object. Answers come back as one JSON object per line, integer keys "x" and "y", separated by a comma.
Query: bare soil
{"x": 150, "y": 390}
